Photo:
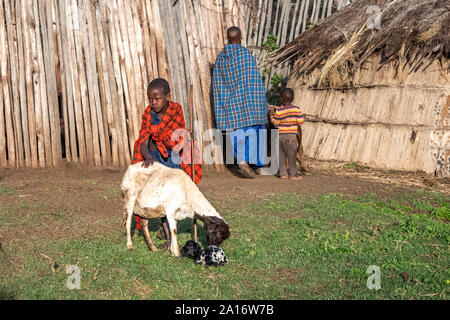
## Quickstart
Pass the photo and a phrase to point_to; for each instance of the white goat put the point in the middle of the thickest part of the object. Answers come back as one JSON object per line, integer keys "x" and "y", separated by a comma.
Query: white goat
{"x": 159, "y": 191}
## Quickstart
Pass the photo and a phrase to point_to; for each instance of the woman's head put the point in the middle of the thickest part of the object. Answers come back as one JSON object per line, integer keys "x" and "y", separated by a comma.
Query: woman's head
{"x": 158, "y": 92}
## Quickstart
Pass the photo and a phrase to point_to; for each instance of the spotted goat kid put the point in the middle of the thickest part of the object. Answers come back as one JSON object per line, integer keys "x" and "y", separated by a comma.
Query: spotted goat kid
{"x": 211, "y": 256}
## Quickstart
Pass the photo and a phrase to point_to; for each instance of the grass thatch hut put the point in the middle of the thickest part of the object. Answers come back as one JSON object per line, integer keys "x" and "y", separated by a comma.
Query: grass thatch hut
{"x": 377, "y": 96}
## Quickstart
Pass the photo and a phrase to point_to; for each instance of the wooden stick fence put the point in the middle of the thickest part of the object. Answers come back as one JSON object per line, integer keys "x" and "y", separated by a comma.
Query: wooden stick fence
{"x": 74, "y": 73}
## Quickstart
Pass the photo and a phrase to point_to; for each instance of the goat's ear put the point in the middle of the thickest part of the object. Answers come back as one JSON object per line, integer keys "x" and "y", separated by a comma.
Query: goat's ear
{"x": 226, "y": 231}
{"x": 205, "y": 219}
{"x": 212, "y": 220}
{"x": 211, "y": 224}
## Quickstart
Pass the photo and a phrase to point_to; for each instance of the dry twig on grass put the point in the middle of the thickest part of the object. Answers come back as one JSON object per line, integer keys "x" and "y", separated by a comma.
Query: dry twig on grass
{"x": 54, "y": 265}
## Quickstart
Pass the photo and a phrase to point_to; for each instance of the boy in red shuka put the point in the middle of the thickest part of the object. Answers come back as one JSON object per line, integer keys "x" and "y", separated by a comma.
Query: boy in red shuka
{"x": 164, "y": 138}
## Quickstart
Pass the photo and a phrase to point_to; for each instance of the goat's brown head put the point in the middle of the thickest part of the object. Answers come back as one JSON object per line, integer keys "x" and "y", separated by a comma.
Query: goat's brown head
{"x": 216, "y": 230}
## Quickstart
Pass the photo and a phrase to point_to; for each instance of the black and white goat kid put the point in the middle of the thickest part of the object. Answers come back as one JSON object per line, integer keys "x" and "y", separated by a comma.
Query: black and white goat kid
{"x": 211, "y": 256}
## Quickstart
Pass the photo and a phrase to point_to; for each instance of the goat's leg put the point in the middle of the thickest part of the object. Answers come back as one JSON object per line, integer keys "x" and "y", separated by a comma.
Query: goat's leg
{"x": 166, "y": 228}
{"x": 125, "y": 216}
{"x": 129, "y": 206}
{"x": 173, "y": 237}
{"x": 144, "y": 225}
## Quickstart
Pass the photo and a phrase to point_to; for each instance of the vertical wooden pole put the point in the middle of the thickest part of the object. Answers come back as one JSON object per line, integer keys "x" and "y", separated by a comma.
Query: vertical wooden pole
{"x": 282, "y": 22}
{"x": 44, "y": 104}
{"x": 324, "y": 9}
{"x": 220, "y": 27}
{"x": 15, "y": 99}
{"x": 50, "y": 72}
{"x": 68, "y": 58}
{"x": 275, "y": 25}
{"x": 92, "y": 86}
{"x": 161, "y": 46}
{"x": 118, "y": 54}
{"x": 127, "y": 58}
{"x": 135, "y": 62}
{"x": 201, "y": 65}
{"x": 300, "y": 18}
{"x": 153, "y": 44}
{"x": 118, "y": 80}
{"x": 330, "y": 7}
{"x": 140, "y": 58}
{"x": 101, "y": 140}
{"x": 74, "y": 77}
{"x": 22, "y": 91}
{"x": 109, "y": 123}
{"x": 3, "y": 159}
{"x": 33, "y": 24}
{"x": 294, "y": 20}
{"x": 82, "y": 92}
{"x": 313, "y": 13}
{"x": 47, "y": 76}
{"x": 269, "y": 21}
{"x": 102, "y": 16}
{"x": 191, "y": 118}
{"x": 63, "y": 84}
{"x": 260, "y": 38}
{"x": 143, "y": 21}
{"x": 192, "y": 65}
{"x": 305, "y": 16}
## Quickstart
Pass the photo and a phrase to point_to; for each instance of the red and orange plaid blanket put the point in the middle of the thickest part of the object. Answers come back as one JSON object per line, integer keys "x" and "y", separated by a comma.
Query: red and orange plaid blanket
{"x": 169, "y": 133}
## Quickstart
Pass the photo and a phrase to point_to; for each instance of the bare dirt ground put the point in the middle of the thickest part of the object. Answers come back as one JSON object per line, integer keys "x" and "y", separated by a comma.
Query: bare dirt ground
{"x": 75, "y": 202}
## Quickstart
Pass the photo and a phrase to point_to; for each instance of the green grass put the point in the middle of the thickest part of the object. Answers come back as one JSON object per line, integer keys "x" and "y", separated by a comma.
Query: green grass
{"x": 5, "y": 190}
{"x": 112, "y": 193}
{"x": 351, "y": 165}
{"x": 285, "y": 247}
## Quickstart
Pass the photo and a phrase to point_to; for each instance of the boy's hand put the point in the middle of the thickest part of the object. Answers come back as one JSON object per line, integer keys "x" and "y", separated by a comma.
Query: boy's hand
{"x": 148, "y": 162}
{"x": 189, "y": 133}
{"x": 272, "y": 108}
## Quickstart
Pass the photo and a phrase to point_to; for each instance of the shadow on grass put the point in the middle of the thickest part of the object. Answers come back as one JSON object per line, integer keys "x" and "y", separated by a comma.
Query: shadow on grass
{"x": 184, "y": 226}
{"x": 5, "y": 295}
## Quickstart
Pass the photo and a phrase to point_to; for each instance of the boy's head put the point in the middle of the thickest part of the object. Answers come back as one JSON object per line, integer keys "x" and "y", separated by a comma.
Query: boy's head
{"x": 158, "y": 92}
{"x": 234, "y": 35}
{"x": 287, "y": 96}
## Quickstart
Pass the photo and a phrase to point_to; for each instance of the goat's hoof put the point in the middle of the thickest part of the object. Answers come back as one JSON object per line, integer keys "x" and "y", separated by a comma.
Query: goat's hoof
{"x": 164, "y": 245}
{"x": 153, "y": 248}
{"x": 129, "y": 246}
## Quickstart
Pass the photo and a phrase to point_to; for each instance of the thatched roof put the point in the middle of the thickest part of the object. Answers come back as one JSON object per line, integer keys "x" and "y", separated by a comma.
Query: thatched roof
{"x": 412, "y": 33}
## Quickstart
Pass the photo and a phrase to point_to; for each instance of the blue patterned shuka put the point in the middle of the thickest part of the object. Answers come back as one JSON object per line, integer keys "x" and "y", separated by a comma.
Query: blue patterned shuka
{"x": 239, "y": 93}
